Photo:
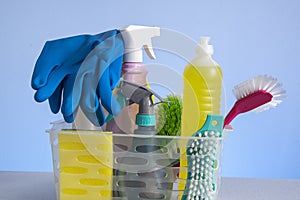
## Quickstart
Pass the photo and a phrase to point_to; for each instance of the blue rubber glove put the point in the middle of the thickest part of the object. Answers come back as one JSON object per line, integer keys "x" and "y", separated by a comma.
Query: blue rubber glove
{"x": 100, "y": 80}
{"x": 72, "y": 67}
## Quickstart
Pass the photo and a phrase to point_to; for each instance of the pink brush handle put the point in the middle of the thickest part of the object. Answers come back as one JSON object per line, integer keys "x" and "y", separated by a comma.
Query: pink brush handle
{"x": 248, "y": 103}
{"x": 231, "y": 115}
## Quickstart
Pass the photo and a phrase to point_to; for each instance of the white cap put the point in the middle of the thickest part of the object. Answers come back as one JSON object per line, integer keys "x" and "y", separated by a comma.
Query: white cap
{"x": 204, "y": 47}
{"x": 137, "y": 37}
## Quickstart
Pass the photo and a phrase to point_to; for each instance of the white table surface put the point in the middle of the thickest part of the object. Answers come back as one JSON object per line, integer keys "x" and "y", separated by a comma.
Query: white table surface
{"x": 40, "y": 186}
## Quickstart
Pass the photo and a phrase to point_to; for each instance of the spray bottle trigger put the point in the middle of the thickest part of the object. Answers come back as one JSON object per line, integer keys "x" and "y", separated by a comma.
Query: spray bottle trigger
{"x": 149, "y": 50}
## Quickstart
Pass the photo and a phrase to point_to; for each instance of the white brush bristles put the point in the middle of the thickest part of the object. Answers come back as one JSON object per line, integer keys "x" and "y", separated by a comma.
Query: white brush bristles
{"x": 264, "y": 83}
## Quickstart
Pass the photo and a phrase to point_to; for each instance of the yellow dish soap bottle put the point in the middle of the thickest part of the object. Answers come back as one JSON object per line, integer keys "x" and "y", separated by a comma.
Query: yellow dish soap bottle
{"x": 202, "y": 88}
{"x": 201, "y": 96}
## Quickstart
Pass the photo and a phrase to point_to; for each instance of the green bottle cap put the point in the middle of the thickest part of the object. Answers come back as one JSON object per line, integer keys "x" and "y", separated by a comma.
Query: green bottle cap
{"x": 145, "y": 120}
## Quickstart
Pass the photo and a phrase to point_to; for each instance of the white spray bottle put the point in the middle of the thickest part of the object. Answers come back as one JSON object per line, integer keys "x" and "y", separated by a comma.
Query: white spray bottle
{"x": 136, "y": 38}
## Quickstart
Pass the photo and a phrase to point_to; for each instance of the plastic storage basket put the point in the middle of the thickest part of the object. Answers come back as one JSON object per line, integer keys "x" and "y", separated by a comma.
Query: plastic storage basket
{"x": 101, "y": 165}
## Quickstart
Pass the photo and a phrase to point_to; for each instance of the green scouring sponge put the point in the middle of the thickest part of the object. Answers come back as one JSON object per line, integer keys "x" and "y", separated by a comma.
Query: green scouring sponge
{"x": 169, "y": 116}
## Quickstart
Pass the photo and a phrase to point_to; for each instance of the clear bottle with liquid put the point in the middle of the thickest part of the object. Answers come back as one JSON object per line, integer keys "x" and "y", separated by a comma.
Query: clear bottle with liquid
{"x": 202, "y": 88}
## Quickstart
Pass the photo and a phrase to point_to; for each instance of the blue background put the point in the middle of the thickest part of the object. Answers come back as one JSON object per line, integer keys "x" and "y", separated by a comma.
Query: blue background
{"x": 250, "y": 38}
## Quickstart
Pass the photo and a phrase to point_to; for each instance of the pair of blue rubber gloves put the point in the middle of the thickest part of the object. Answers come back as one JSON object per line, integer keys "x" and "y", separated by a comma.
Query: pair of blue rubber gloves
{"x": 80, "y": 71}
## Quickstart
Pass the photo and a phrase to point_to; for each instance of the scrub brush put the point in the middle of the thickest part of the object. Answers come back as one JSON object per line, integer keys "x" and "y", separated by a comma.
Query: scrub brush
{"x": 169, "y": 122}
{"x": 259, "y": 93}
{"x": 169, "y": 116}
{"x": 201, "y": 182}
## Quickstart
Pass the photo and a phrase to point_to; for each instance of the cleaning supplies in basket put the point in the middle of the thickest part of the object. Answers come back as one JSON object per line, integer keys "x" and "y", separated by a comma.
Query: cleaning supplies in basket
{"x": 142, "y": 164}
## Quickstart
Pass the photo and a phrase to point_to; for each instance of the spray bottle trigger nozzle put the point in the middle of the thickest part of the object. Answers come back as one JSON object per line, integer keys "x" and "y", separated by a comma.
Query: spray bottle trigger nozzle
{"x": 149, "y": 51}
{"x": 135, "y": 39}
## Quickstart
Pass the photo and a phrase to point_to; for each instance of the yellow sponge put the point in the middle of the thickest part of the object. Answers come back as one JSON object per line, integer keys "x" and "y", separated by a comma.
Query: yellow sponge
{"x": 86, "y": 162}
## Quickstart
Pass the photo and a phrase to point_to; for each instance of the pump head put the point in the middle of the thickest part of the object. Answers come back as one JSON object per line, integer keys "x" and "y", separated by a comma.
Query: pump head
{"x": 204, "y": 47}
{"x": 137, "y": 37}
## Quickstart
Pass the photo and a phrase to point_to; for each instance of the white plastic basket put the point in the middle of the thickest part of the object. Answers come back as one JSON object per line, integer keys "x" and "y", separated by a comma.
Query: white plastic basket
{"x": 101, "y": 165}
